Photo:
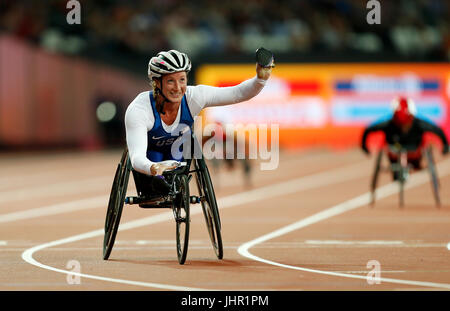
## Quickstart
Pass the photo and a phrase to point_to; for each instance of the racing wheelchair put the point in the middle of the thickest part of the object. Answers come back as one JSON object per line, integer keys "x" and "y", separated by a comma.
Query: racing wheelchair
{"x": 178, "y": 199}
{"x": 401, "y": 166}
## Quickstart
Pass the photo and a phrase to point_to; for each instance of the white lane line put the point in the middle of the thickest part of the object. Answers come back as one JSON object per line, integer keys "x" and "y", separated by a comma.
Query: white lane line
{"x": 3, "y": 243}
{"x": 362, "y": 200}
{"x": 31, "y": 180}
{"x": 337, "y": 242}
{"x": 298, "y": 184}
{"x": 59, "y": 189}
{"x": 67, "y": 207}
{"x": 28, "y": 255}
{"x": 301, "y": 183}
{"x": 223, "y": 178}
{"x": 294, "y": 185}
{"x": 161, "y": 242}
{"x": 365, "y": 272}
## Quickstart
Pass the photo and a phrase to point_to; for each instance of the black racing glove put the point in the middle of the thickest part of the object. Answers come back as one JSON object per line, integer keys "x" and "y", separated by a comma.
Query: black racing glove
{"x": 446, "y": 149}
{"x": 159, "y": 185}
{"x": 364, "y": 148}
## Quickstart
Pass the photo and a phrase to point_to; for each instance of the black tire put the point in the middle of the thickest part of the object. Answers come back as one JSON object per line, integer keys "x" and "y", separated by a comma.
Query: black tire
{"x": 115, "y": 204}
{"x": 376, "y": 173}
{"x": 401, "y": 192}
{"x": 209, "y": 206}
{"x": 182, "y": 218}
{"x": 434, "y": 176}
{"x": 402, "y": 179}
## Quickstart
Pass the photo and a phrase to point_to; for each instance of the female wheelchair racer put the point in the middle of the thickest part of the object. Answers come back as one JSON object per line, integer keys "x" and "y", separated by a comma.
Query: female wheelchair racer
{"x": 155, "y": 122}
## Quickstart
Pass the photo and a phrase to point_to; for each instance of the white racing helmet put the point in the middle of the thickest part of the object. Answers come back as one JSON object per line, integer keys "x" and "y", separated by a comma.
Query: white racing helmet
{"x": 168, "y": 62}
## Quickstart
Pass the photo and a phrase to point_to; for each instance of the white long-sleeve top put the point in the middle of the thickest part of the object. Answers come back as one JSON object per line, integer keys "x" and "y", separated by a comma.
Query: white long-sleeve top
{"x": 139, "y": 118}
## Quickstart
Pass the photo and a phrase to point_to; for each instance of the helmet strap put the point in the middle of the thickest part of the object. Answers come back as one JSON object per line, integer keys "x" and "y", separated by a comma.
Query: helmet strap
{"x": 158, "y": 91}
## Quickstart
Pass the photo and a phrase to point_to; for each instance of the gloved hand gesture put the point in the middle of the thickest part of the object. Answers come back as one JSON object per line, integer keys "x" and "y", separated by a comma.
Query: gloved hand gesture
{"x": 160, "y": 167}
{"x": 263, "y": 72}
{"x": 264, "y": 63}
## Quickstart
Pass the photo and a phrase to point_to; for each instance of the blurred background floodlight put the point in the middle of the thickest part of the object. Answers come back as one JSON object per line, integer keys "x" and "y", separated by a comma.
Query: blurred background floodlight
{"x": 106, "y": 111}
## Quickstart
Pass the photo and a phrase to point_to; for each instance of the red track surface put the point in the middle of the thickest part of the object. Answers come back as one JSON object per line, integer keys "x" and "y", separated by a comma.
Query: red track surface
{"x": 46, "y": 198}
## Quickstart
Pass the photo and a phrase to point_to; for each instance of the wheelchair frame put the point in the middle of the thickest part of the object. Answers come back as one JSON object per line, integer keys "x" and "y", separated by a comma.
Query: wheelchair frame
{"x": 402, "y": 168}
{"x": 178, "y": 199}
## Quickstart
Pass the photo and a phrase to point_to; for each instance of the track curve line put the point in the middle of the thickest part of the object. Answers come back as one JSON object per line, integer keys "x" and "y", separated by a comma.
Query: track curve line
{"x": 362, "y": 200}
{"x": 291, "y": 186}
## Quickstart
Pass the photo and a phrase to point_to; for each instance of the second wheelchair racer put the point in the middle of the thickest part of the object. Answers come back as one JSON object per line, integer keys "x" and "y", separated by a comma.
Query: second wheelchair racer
{"x": 406, "y": 130}
{"x": 154, "y": 120}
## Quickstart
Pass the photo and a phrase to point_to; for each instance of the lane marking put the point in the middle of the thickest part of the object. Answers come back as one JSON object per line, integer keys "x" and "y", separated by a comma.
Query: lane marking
{"x": 229, "y": 201}
{"x": 37, "y": 178}
{"x": 3, "y": 243}
{"x": 55, "y": 209}
{"x": 417, "y": 179}
{"x": 366, "y": 271}
{"x": 294, "y": 185}
{"x": 99, "y": 201}
{"x": 161, "y": 242}
{"x": 223, "y": 178}
{"x": 27, "y": 255}
{"x": 58, "y": 189}
{"x": 303, "y": 183}
{"x": 336, "y": 242}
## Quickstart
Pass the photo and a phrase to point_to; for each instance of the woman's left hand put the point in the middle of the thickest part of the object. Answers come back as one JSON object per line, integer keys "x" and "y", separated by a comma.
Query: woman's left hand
{"x": 264, "y": 72}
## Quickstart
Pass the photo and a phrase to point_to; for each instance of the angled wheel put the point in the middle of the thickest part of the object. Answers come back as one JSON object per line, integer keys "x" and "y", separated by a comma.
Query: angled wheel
{"x": 403, "y": 172}
{"x": 376, "y": 173}
{"x": 182, "y": 217}
{"x": 115, "y": 204}
{"x": 401, "y": 192}
{"x": 209, "y": 206}
{"x": 434, "y": 177}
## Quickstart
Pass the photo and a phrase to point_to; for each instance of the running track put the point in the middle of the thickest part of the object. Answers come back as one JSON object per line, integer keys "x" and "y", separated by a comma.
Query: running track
{"x": 304, "y": 226}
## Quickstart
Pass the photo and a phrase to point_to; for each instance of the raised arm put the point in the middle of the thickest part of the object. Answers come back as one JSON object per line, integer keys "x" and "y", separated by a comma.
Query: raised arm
{"x": 210, "y": 96}
{"x": 430, "y": 127}
{"x": 372, "y": 128}
{"x": 204, "y": 96}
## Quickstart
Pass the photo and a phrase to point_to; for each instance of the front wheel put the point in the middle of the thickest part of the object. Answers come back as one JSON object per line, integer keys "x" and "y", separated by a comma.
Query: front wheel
{"x": 209, "y": 206}
{"x": 403, "y": 173}
{"x": 434, "y": 176}
{"x": 182, "y": 217}
{"x": 115, "y": 204}
{"x": 376, "y": 173}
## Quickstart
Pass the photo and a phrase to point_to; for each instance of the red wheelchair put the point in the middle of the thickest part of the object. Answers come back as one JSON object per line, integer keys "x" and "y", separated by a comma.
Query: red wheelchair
{"x": 402, "y": 161}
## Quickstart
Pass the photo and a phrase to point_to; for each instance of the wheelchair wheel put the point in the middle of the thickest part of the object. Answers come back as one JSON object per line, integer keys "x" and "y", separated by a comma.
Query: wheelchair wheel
{"x": 209, "y": 206}
{"x": 403, "y": 173}
{"x": 115, "y": 204}
{"x": 376, "y": 173}
{"x": 433, "y": 175}
{"x": 182, "y": 217}
{"x": 401, "y": 192}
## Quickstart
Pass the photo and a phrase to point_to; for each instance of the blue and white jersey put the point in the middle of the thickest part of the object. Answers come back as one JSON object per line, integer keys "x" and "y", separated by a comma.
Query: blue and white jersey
{"x": 150, "y": 140}
{"x": 161, "y": 141}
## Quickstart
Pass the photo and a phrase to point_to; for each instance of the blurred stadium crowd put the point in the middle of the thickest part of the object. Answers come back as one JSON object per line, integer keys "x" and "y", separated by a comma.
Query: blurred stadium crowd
{"x": 410, "y": 28}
